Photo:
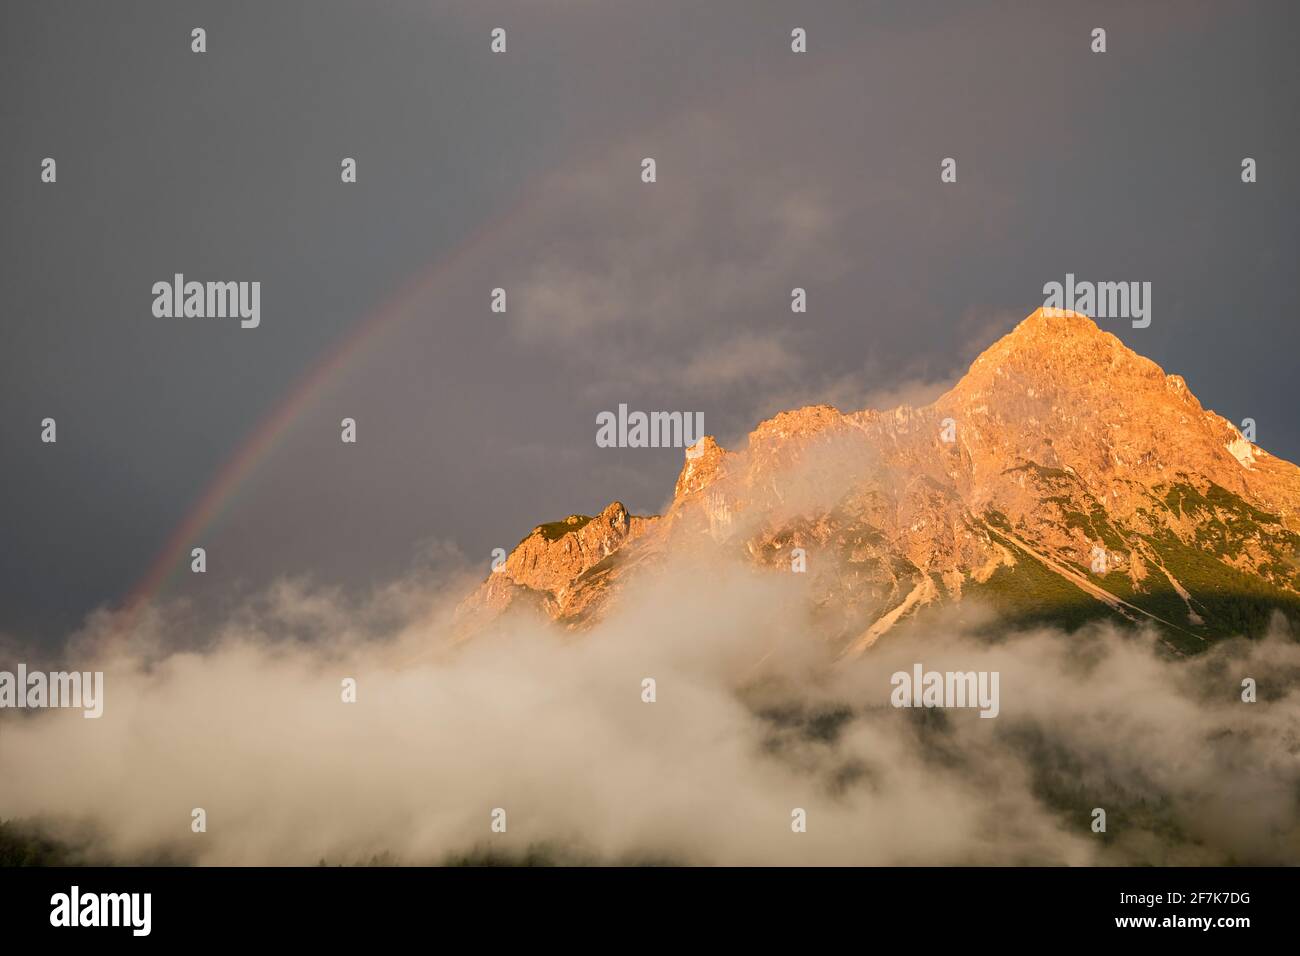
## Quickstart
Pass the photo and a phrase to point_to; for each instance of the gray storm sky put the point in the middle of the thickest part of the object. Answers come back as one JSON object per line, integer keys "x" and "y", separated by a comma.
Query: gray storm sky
{"x": 521, "y": 170}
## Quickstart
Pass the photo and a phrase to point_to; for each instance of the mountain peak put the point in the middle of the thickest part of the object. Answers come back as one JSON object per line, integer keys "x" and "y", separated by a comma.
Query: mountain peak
{"x": 1056, "y": 352}
{"x": 1054, "y": 330}
{"x": 1064, "y": 471}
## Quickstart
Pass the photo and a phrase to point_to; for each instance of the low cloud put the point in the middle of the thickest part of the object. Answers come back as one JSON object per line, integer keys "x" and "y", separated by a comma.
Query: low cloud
{"x": 753, "y": 718}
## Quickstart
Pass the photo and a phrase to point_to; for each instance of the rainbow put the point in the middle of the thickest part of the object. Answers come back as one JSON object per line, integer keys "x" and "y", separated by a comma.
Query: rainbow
{"x": 307, "y": 389}
{"x": 265, "y": 436}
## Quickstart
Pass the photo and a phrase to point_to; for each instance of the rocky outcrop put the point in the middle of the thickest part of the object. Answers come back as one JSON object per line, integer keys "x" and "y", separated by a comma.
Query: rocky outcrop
{"x": 1064, "y": 476}
{"x": 545, "y": 566}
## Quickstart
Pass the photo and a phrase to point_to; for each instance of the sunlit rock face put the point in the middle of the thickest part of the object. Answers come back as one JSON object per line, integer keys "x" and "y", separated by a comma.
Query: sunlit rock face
{"x": 1063, "y": 478}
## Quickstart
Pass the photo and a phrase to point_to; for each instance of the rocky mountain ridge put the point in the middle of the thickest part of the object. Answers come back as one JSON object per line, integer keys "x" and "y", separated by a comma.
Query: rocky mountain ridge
{"x": 1064, "y": 478}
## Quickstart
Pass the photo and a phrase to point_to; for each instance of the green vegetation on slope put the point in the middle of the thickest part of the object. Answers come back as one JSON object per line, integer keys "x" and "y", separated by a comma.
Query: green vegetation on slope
{"x": 555, "y": 530}
{"x": 26, "y": 845}
{"x": 1030, "y": 593}
{"x": 1225, "y": 600}
{"x": 1228, "y": 600}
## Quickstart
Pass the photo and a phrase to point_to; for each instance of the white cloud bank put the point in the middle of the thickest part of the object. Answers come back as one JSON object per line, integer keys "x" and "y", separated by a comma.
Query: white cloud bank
{"x": 245, "y": 719}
